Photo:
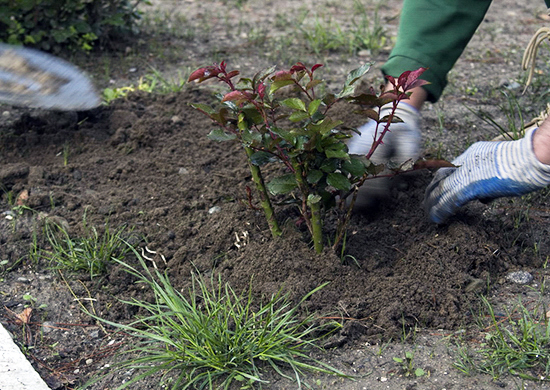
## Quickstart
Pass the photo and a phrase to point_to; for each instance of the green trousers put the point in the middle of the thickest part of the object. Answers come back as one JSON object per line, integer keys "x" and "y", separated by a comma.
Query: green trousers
{"x": 433, "y": 34}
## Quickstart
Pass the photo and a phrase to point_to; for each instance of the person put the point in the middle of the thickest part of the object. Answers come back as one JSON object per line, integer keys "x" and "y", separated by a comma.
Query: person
{"x": 486, "y": 170}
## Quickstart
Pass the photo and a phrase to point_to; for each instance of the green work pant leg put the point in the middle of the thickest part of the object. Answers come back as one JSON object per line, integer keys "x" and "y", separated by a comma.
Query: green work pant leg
{"x": 433, "y": 34}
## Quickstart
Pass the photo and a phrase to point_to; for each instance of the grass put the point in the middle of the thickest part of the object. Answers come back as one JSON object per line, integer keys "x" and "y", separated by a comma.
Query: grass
{"x": 366, "y": 32}
{"x": 154, "y": 82}
{"x": 91, "y": 253}
{"x": 213, "y": 337}
{"x": 517, "y": 344}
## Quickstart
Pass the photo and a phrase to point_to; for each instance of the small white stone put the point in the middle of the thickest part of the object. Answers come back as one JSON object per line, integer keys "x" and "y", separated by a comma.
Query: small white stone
{"x": 89, "y": 361}
{"x": 215, "y": 209}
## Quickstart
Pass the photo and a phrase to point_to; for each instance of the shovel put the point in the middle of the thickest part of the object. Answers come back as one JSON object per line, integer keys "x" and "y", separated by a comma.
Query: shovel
{"x": 31, "y": 78}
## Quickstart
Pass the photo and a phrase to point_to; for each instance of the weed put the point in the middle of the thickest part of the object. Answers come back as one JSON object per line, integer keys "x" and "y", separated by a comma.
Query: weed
{"x": 518, "y": 344}
{"x": 215, "y": 337}
{"x": 151, "y": 83}
{"x": 32, "y": 302}
{"x": 513, "y": 129}
{"x": 365, "y": 33}
{"x": 407, "y": 365}
{"x": 92, "y": 253}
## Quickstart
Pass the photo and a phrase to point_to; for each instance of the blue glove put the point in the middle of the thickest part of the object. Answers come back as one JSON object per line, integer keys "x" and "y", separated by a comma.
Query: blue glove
{"x": 486, "y": 170}
{"x": 400, "y": 144}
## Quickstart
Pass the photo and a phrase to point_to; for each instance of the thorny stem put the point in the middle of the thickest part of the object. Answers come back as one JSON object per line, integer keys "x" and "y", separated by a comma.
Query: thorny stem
{"x": 314, "y": 204}
{"x": 264, "y": 196}
{"x": 299, "y": 176}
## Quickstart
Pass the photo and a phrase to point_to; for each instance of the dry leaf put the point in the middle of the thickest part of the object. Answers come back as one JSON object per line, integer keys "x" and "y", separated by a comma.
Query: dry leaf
{"x": 25, "y": 316}
{"x": 22, "y": 198}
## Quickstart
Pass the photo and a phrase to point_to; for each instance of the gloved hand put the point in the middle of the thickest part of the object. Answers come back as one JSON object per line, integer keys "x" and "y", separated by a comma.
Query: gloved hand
{"x": 486, "y": 170}
{"x": 401, "y": 143}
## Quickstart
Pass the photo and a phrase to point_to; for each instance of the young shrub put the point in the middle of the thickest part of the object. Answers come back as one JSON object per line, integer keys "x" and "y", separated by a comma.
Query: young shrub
{"x": 300, "y": 133}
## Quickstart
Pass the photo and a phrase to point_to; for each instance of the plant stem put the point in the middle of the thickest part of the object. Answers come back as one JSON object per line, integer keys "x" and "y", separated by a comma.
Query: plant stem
{"x": 264, "y": 196}
{"x": 314, "y": 203}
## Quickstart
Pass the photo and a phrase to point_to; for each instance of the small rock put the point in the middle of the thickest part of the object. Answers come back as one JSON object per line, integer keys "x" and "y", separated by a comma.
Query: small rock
{"x": 176, "y": 120}
{"x": 47, "y": 326}
{"x": 89, "y": 361}
{"x": 215, "y": 209}
{"x": 183, "y": 171}
{"x": 23, "y": 280}
{"x": 6, "y": 114}
{"x": 519, "y": 277}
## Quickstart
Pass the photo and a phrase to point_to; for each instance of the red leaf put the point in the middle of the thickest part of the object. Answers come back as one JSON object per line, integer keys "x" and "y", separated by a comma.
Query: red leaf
{"x": 236, "y": 96}
{"x": 432, "y": 164}
{"x": 315, "y": 67}
{"x": 410, "y": 79}
{"x": 282, "y": 75}
{"x": 196, "y": 74}
{"x": 204, "y": 73}
{"x": 261, "y": 90}
{"x": 232, "y": 74}
{"x": 298, "y": 68}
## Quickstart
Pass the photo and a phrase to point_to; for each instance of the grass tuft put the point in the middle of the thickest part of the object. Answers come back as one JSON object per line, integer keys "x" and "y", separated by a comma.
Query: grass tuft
{"x": 518, "y": 344}
{"x": 92, "y": 253}
{"x": 215, "y": 337}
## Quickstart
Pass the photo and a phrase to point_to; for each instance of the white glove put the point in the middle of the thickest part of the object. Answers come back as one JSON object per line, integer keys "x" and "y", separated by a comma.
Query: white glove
{"x": 400, "y": 144}
{"x": 487, "y": 170}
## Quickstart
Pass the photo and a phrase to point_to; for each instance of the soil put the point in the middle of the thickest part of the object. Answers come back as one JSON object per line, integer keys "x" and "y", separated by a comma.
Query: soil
{"x": 144, "y": 162}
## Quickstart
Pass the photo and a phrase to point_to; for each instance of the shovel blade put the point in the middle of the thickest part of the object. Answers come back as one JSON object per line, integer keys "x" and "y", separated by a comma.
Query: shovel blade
{"x": 31, "y": 78}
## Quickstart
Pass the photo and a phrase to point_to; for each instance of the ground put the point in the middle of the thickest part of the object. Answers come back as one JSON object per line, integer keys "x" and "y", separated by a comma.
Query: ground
{"x": 143, "y": 161}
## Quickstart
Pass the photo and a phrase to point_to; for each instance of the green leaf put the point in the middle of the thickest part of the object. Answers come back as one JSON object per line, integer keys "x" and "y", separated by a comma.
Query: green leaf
{"x": 329, "y": 165}
{"x": 354, "y": 166}
{"x": 353, "y": 76}
{"x": 221, "y": 136}
{"x": 338, "y": 150}
{"x": 338, "y": 181}
{"x": 262, "y": 75}
{"x": 325, "y": 126}
{"x": 249, "y": 137}
{"x": 294, "y": 103}
{"x": 261, "y": 158}
{"x": 314, "y": 106}
{"x": 298, "y": 116}
{"x": 203, "y": 107}
{"x": 419, "y": 372}
{"x": 312, "y": 199}
{"x": 282, "y": 184}
{"x": 280, "y": 84}
{"x": 314, "y": 176}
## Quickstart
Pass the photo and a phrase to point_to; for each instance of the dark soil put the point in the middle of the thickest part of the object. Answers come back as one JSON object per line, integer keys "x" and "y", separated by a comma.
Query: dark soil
{"x": 145, "y": 162}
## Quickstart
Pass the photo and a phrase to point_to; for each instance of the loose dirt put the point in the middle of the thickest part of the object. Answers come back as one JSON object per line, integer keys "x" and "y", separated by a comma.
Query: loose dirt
{"x": 144, "y": 162}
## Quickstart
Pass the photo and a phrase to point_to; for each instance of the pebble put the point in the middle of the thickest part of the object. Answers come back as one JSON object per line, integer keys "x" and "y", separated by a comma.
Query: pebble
{"x": 89, "y": 361}
{"x": 47, "y": 326}
{"x": 519, "y": 277}
{"x": 215, "y": 209}
{"x": 183, "y": 171}
{"x": 176, "y": 119}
